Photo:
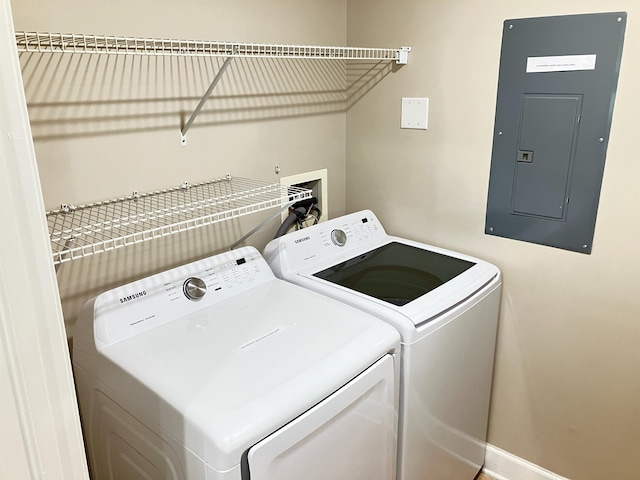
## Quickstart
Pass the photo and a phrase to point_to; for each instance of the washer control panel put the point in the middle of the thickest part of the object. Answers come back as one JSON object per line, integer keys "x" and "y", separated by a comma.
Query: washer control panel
{"x": 150, "y": 302}
{"x": 326, "y": 240}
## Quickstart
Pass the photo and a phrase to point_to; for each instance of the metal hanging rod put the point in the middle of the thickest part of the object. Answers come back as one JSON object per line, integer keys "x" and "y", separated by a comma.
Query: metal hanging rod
{"x": 114, "y": 45}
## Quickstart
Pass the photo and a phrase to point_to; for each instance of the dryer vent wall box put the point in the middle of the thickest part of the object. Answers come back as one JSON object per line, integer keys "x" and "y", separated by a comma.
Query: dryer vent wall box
{"x": 316, "y": 181}
{"x": 556, "y": 92}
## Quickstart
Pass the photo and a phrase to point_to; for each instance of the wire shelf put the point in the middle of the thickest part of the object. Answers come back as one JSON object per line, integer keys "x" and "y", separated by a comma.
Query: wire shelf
{"x": 114, "y": 45}
{"x": 77, "y": 232}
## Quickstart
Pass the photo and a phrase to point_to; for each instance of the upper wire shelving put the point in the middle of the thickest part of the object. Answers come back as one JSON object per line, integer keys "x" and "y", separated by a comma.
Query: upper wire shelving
{"x": 39, "y": 42}
{"x": 115, "y": 45}
{"x": 77, "y": 232}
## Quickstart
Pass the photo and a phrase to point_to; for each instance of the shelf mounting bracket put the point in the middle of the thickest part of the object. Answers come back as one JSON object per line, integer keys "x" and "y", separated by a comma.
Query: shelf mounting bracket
{"x": 262, "y": 224}
{"x": 403, "y": 55}
{"x": 205, "y": 97}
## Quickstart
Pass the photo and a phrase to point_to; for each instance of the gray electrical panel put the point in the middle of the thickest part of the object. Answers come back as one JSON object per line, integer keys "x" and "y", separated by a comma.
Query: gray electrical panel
{"x": 556, "y": 91}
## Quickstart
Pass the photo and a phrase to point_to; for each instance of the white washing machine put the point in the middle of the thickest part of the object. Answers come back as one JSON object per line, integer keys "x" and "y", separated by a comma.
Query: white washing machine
{"x": 217, "y": 370}
{"x": 445, "y": 306}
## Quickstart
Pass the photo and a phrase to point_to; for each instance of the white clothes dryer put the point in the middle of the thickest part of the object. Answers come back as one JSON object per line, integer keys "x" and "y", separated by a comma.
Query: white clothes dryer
{"x": 217, "y": 370}
{"x": 445, "y": 306}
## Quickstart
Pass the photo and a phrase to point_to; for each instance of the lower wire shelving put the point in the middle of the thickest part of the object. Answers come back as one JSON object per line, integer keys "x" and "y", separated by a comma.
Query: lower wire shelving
{"x": 81, "y": 231}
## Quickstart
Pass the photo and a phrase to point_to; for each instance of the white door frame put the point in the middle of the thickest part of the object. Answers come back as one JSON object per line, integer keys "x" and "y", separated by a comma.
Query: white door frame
{"x": 40, "y": 426}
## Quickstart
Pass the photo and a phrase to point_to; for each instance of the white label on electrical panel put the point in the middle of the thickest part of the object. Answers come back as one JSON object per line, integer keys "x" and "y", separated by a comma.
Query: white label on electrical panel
{"x": 562, "y": 63}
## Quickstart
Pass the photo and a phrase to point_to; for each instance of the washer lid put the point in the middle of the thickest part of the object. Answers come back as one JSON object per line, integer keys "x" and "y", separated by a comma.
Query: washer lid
{"x": 222, "y": 378}
{"x": 410, "y": 291}
{"x": 396, "y": 273}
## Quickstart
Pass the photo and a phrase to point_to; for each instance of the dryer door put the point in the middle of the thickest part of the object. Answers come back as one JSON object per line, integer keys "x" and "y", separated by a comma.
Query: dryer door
{"x": 352, "y": 434}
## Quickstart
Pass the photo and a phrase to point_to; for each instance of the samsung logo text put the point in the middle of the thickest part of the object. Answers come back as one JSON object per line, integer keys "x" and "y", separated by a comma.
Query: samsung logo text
{"x": 128, "y": 298}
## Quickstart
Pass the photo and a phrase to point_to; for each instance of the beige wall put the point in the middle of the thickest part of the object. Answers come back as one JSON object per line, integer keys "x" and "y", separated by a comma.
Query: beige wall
{"x": 105, "y": 126}
{"x": 566, "y": 382}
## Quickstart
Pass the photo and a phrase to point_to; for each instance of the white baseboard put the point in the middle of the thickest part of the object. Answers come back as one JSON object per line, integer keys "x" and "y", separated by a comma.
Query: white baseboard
{"x": 503, "y": 465}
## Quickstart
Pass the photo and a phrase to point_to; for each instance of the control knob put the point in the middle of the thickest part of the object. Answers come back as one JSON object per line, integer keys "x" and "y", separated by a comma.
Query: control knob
{"x": 194, "y": 288}
{"x": 338, "y": 237}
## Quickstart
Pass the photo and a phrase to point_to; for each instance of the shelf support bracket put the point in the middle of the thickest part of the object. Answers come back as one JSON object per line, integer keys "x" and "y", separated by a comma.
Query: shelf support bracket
{"x": 262, "y": 224}
{"x": 403, "y": 55}
{"x": 205, "y": 97}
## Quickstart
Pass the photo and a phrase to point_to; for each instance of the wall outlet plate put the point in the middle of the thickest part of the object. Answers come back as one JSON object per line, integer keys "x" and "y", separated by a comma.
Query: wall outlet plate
{"x": 415, "y": 113}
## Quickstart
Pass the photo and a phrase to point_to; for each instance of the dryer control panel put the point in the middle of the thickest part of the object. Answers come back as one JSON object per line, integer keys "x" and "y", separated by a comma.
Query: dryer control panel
{"x": 153, "y": 301}
{"x": 331, "y": 239}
